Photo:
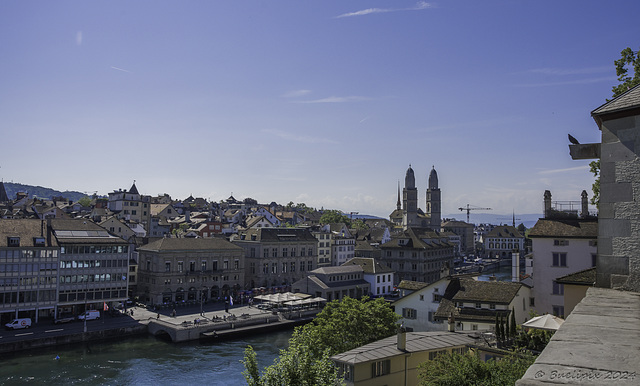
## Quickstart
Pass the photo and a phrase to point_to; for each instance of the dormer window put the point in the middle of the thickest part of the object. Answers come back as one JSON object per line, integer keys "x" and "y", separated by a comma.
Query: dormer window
{"x": 38, "y": 241}
{"x": 13, "y": 241}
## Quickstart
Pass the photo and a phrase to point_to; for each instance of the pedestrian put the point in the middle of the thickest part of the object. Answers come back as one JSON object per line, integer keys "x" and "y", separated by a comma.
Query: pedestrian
{"x": 158, "y": 316}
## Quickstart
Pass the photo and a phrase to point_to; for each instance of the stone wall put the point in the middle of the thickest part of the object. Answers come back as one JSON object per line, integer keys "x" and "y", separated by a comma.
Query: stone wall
{"x": 618, "y": 262}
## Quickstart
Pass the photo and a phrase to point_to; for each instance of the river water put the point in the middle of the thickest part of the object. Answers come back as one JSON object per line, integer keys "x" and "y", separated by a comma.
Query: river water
{"x": 141, "y": 361}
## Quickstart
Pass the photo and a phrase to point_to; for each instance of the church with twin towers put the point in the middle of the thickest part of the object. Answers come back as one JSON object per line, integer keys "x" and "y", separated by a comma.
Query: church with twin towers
{"x": 412, "y": 215}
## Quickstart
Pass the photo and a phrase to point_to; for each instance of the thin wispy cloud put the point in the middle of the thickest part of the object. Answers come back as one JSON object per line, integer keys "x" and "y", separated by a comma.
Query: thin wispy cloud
{"x": 364, "y": 119}
{"x": 336, "y": 99}
{"x": 554, "y": 171}
{"x": 79, "y": 38}
{"x": 120, "y": 69}
{"x": 296, "y": 93}
{"x": 418, "y": 7}
{"x": 297, "y": 138}
{"x": 571, "y": 71}
{"x": 568, "y": 82}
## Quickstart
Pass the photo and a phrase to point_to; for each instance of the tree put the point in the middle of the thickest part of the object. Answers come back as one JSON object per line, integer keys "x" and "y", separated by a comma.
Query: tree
{"x": 85, "y": 201}
{"x": 334, "y": 216}
{"x": 628, "y": 58}
{"x": 456, "y": 369}
{"x": 513, "y": 331}
{"x": 341, "y": 326}
{"x": 595, "y": 169}
{"x": 359, "y": 225}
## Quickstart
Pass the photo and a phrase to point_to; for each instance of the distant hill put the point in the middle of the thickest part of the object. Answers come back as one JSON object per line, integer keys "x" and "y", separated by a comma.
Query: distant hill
{"x": 529, "y": 220}
{"x": 40, "y": 192}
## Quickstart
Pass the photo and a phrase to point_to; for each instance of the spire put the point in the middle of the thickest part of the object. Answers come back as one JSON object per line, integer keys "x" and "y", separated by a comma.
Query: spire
{"x": 398, "y": 204}
{"x": 133, "y": 189}
{"x": 3, "y": 193}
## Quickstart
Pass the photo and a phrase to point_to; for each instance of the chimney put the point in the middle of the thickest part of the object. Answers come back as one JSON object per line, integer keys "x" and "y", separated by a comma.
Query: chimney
{"x": 452, "y": 322}
{"x": 402, "y": 338}
{"x": 515, "y": 267}
{"x": 585, "y": 205}
{"x": 547, "y": 203}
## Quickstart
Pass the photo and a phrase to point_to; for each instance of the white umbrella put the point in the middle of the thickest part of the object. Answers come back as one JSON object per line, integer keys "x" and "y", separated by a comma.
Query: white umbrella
{"x": 544, "y": 322}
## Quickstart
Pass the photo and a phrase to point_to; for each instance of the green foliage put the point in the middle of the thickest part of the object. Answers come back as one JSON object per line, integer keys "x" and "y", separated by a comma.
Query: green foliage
{"x": 628, "y": 58}
{"x": 334, "y": 216}
{"x": 595, "y": 169}
{"x": 341, "y": 326}
{"x": 533, "y": 339}
{"x": 85, "y": 201}
{"x": 359, "y": 225}
{"x": 455, "y": 369}
{"x": 513, "y": 331}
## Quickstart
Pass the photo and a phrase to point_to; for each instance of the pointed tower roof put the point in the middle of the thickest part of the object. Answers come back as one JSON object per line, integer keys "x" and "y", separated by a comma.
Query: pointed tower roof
{"x": 399, "y": 203}
{"x": 133, "y": 189}
{"x": 410, "y": 179}
{"x": 3, "y": 193}
{"x": 433, "y": 178}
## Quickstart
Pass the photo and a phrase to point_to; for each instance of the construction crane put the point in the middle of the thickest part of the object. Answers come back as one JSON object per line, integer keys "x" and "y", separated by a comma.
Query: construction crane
{"x": 469, "y": 208}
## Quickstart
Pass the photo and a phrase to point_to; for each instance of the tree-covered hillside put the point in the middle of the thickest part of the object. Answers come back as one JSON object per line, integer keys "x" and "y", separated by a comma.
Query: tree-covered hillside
{"x": 40, "y": 192}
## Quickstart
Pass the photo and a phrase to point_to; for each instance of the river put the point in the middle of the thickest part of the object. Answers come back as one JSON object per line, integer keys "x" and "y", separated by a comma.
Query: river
{"x": 141, "y": 361}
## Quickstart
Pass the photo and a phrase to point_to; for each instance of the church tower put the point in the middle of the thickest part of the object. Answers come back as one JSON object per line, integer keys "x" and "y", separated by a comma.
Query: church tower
{"x": 409, "y": 200}
{"x": 434, "y": 201}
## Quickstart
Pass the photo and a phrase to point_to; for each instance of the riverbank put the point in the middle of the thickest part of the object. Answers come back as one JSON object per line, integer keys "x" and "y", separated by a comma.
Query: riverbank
{"x": 206, "y": 322}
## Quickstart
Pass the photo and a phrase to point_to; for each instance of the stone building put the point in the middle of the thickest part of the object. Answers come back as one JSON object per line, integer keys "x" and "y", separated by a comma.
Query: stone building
{"x": 189, "y": 270}
{"x": 277, "y": 257}
{"x": 418, "y": 254}
{"x": 411, "y": 214}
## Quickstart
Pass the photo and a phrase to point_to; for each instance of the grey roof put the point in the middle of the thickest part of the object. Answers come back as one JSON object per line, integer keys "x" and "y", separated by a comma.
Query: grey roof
{"x": 3, "y": 193}
{"x": 416, "y": 342}
{"x": 369, "y": 265}
{"x": 191, "y": 244}
{"x": 626, "y": 101}
{"x": 81, "y": 231}
{"x": 569, "y": 228}
{"x": 278, "y": 235}
{"x": 585, "y": 277}
{"x": 416, "y": 237}
{"x": 26, "y": 229}
{"x": 336, "y": 270}
{"x": 412, "y": 285}
{"x": 504, "y": 231}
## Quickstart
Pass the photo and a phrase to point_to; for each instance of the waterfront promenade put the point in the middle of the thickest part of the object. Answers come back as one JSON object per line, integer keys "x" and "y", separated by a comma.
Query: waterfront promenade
{"x": 137, "y": 319}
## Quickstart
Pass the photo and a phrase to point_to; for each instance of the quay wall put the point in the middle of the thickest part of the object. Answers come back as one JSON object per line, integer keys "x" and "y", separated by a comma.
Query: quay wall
{"x": 51, "y": 341}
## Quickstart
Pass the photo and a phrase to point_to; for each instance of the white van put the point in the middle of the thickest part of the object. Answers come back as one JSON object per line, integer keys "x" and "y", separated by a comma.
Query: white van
{"x": 18, "y": 323}
{"x": 89, "y": 315}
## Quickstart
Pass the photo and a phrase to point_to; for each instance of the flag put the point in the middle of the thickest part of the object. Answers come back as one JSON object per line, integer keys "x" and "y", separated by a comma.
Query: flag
{"x": 231, "y": 300}
{"x": 106, "y": 307}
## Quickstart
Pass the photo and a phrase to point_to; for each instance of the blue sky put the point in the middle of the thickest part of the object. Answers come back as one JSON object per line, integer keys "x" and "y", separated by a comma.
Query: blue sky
{"x": 325, "y": 102}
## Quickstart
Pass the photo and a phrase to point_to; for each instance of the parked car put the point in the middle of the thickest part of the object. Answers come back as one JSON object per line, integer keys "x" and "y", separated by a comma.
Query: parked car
{"x": 64, "y": 319}
{"x": 89, "y": 315}
{"x": 16, "y": 324}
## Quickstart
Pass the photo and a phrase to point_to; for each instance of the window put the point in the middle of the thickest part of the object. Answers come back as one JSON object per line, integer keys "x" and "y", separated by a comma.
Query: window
{"x": 593, "y": 259}
{"x": 434, "y": 354}
{"x": 346, "y": 371}
{"x": 203, "y": 266}
{"x": 478, "y": 305}
{"x": 560, "y": 242}
{"x": 559, "y": 259}
{"x": 380, "y": 368}
{"x": 310, "y": 265}
{"x": 558, "y": 289}
{"x": 236, "y": 264}
{"x": 436, "y": 298}
{"x": 274, "y": 267}
{"x": 293, "y": 266}
{"x": 266, "y": 253}
{"x": 225, "y": 264}
{"x": 558, "y": 311}
{"x": 180, "y": 266}
{"x": 285, "y": 252}
{"x": 167, "y": 266}
{"x": 532, "y": 302}
{"x": 192, "y": 266}
{"x": 409, "y": 313}
{"x": 492, "y": 306}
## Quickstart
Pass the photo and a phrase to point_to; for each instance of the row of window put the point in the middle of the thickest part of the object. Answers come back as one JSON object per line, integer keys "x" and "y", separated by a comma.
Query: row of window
{"x": 180, "y": 280}
{"x": 9, "y": 254}
{"x": 34, "y": 268}
{"x": 503, "y": 246}
{"x": 26, "y": 281}
{"x": 385, "y": 278}
{"x": 438, "y": 252}
{"x": 88, "y": 249}
{"x": 102, "y": 277}
{"x": 284, "y": 252}
{"x": 107, "y": 263}
{"x": 284, "y": 267}
{"x": 69, "y": 296}
{"x": 14, "y": 297}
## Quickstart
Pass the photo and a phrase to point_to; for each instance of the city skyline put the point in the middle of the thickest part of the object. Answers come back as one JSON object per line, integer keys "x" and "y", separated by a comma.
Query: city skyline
{"x": 325, "y": 104}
